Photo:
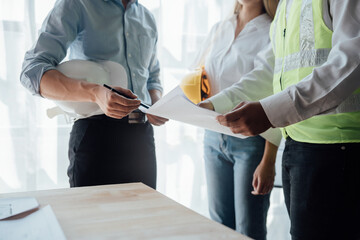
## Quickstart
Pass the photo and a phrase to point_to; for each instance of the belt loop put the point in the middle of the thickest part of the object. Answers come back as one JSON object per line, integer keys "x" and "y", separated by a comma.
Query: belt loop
{"x": 137, "y": 117}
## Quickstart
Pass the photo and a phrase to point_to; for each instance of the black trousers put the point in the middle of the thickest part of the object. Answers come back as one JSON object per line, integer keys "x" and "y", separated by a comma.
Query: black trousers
{"x": 103, "y": 150}
{"x": 321, "y": 184}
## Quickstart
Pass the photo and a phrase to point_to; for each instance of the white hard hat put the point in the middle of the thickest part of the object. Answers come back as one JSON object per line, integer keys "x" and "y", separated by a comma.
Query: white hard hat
{"x": 104, "y": 72}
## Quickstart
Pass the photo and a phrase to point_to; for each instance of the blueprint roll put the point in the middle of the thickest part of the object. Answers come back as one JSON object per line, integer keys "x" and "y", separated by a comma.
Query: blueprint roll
{"x": 104, "y": 72}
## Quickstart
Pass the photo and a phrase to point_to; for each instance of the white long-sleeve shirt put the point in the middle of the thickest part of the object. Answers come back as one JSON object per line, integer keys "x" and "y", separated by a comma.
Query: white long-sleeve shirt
{"x": 321, "y": 91}
{"x": 231, "y": 58}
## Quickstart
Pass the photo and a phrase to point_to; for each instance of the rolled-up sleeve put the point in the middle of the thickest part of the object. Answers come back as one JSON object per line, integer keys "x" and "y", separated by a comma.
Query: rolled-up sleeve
{"x": 154, "y": 72}
{"x": 57, "y": 33}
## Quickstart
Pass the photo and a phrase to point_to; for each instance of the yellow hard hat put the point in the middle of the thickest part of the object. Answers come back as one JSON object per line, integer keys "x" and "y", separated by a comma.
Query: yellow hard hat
{"x": 195, "y": 86}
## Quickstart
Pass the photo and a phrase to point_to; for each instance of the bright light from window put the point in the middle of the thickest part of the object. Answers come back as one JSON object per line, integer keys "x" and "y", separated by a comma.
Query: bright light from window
{"x": 12, "y": 10}
{"x": 42, "y": 8}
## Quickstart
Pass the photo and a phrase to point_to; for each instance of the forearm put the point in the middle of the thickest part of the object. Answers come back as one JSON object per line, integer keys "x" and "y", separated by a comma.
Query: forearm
{"x": 270, "y": 152}
{"x": 155, "y": 95}
{"x": 55, "y": 85}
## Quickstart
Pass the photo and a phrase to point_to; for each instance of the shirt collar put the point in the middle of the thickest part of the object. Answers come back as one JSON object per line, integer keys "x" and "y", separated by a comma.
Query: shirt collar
{"x": 258, "y": 22}
{"x": 130, "y": 2}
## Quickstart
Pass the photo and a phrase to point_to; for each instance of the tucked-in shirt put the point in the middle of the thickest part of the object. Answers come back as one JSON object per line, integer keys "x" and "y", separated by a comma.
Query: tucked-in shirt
{"x": 97, "y": 30}
{"x": 323, "y": 90}
{"x": 229, "y": 58}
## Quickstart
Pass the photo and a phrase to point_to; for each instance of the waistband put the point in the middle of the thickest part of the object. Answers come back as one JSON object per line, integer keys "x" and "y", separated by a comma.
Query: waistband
{"x": 135, "y": 117}
{"x": 290, "y": 141}
{"x": 104, "y": 117}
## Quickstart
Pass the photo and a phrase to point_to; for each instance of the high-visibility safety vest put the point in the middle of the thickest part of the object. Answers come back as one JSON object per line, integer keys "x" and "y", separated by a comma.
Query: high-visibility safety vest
{"x": 302, "y": 42}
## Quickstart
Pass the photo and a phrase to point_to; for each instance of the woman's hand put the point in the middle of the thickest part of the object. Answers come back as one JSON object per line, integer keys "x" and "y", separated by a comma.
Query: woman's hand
{"x": 206, "y": 104}
{"x": 114, "y": 105}
{"x": 264, "y": 175}
{"x": 263, "y": 178}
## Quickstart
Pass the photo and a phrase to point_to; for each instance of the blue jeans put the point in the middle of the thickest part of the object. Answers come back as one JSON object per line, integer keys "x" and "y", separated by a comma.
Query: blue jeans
{"x": 230, "y": 163}
{"x": 321, "y": 184}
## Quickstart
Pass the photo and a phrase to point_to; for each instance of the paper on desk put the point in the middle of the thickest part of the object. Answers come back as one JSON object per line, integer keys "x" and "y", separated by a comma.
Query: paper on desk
{"x": 13, "y": 206}
{"x": 40, "y": 225}
{"x": 176, "y": 106}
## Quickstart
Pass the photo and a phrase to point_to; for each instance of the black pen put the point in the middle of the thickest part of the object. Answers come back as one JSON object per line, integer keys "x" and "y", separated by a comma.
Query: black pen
{"x": 121, "y": 94}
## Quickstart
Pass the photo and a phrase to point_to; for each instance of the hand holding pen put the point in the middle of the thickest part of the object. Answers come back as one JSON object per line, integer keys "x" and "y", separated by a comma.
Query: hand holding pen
{"x": 116, "y": 105}
{"x": 124, "y": 94}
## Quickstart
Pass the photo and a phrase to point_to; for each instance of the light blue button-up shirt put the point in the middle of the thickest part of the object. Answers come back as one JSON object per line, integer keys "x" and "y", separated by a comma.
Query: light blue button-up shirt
{"x": 97, "y": 30}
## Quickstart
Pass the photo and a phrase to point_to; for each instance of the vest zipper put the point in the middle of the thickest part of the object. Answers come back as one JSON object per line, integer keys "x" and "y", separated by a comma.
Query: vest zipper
{"x": 282, "y": 70}
{"x": 284, "y": 37}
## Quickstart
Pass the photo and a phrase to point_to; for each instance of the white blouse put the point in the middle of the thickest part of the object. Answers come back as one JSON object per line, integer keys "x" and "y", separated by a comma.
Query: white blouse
{"x": 229, "y": 58}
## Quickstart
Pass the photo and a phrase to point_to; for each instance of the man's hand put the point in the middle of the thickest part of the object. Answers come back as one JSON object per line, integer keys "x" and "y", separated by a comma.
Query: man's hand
{"x": 206, "y": 104}
{"x": 114, "y": 105}
{"x": 248, "y": 119}
{"x": 155, "y": 120}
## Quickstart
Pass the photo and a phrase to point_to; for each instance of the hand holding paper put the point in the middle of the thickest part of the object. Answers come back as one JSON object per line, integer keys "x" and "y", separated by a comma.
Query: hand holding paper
{"x": 246, "y": 118}
{"x": 177, "y": 107}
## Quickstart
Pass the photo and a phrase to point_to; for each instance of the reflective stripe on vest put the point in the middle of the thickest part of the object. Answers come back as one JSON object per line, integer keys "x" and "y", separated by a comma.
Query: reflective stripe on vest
{"x": 301, "y": 42}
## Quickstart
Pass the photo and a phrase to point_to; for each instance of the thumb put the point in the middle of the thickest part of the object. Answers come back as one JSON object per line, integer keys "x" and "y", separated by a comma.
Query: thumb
{"x": 206, "y": 104}
{"x": 234, "y": 115}
{"x": 255, "y": 182}
{"x": 240, "y": 105}
{"x": 255, "y": 186}
{"x": 127, "y": 93}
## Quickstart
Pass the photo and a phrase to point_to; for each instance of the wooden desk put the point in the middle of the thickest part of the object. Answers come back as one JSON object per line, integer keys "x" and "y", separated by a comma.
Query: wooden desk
{"x": 126, "y": 211}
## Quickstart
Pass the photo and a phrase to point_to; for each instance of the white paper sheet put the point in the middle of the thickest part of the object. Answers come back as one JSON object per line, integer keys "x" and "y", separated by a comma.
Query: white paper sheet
{"x": 176, "y": 106}
{"x": 40, "y": 225}
{"x": 13, "y": 206}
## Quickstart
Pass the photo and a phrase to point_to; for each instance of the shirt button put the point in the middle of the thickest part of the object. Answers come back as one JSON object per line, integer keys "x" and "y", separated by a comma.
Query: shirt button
{"x": 343, "y": 147}
{"x": 127, "y": 34}
{"x": 129, "y": 55}
{"x": 133, "y": 74}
